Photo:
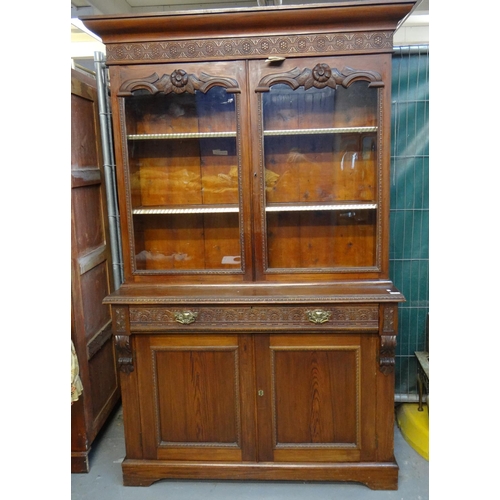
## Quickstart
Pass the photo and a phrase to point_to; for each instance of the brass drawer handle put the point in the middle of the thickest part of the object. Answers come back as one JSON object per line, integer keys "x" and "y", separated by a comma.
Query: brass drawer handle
{"x": 186, "y": 317}
{"x": 318, "y": 316}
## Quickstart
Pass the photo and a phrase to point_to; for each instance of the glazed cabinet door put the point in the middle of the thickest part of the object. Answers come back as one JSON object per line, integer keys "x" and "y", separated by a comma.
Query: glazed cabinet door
{"x": 319, "y": 166}
{"x": 183, "y": 172}
{"x": 195, "y": 396}
{"x": 315, "y": 397}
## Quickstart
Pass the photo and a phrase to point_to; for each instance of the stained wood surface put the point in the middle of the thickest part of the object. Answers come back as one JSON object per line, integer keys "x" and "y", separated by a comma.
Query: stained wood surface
{"x": 90, "y": 275}
{"x": 285, "y": 368}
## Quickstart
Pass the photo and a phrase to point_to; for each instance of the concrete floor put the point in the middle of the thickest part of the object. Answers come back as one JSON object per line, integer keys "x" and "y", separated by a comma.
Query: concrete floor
{"x": 104, "y": 481}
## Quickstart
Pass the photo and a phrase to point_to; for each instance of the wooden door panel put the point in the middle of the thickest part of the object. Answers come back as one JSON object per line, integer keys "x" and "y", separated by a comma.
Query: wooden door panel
{"x": 200, "y": 395}
{"x": 315, "y": 400}
{"x": 194, "y": 401}
{"x": 304, "y": 382}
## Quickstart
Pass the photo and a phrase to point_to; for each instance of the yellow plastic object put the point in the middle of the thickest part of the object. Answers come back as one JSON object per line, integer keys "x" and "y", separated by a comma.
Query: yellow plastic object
{"x": 414, "y": 427}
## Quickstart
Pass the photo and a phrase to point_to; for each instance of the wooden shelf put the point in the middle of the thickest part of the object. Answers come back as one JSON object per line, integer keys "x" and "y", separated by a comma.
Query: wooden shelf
{"x": 184, "y": 135}
{"x": 198, "y": 209}
{"x": 315, "y": 131}
{"x": 327, "y": 206}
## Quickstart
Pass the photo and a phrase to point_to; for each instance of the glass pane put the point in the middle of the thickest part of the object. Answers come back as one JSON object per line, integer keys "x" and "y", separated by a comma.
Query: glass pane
{"x": 320, "y": 155}
{"x": 184, "y": 180}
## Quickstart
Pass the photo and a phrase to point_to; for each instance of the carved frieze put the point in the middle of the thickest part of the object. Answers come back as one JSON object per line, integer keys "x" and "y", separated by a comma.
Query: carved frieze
{"x": 220, "y": 48}
{"x": 362, "y": 316}
{"x": 388, "y": 320}
{"x": 120, "y": 317}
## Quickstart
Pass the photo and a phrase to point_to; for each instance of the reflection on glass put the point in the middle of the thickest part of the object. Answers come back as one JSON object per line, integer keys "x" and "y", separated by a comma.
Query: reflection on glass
{"x": 184, "y": 180}
{"x": 320, "y": 149}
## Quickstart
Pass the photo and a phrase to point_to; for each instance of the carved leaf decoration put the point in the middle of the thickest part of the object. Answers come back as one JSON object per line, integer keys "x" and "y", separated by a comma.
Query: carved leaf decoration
{"x": 178, "y": 82}
{"x": 140, "y": 84}
{"x": 124, "y": 353}
{"x": 319, "y": 77}
{"x": 387, "y": 353}
{"x": 354, "y": 75}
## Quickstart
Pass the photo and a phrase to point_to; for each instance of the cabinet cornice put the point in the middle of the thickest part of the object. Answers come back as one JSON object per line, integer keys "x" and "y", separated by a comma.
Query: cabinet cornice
{"x": 282, "y": 20}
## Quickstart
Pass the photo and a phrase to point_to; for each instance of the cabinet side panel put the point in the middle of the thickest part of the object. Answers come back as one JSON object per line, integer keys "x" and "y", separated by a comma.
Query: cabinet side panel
{"x": 95, "y": 286}
{"x": 386, "y": 382}
{"x": 90, "y": 272}
{"x": 83, "y": 133}
{"x": 131, "y": 401}
{"x": 88, "y": 218}
{"x": 103, "y": 378}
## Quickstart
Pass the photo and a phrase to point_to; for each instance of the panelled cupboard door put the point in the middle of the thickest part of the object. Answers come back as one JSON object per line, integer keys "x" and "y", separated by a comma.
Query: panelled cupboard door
{"x": 184, "y": 161}
{"x": 196, "y": 397}
{"x": 315, "y": 398}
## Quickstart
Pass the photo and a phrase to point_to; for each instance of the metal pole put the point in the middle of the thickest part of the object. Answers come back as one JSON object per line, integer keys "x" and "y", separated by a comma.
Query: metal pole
{"x": 109, "y": 169}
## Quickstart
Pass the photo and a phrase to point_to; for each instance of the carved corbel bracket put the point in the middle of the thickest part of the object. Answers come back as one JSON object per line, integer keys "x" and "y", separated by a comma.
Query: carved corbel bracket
{"x": 178, "y": 82}
{"x": 122, "y": 340}
{"x": 320, "y": 76}
{"x": 387, "y": 353}
{"x": 388, "y": 341}
{"x": 124, "y": 352}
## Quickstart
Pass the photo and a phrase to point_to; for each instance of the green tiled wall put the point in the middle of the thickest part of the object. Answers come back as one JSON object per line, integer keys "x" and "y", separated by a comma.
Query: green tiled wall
{"x": 409, "y": 243}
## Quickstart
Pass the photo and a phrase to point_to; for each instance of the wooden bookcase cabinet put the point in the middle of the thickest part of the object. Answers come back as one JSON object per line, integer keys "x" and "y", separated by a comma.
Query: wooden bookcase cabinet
{"x": 257, "y": 325}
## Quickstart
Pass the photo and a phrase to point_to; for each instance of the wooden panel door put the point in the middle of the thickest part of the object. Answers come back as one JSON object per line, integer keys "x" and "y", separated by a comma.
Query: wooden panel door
{"x": 315, "y": 402}
{"x": 196, "y": 397}
{"x": 90, "y": 275}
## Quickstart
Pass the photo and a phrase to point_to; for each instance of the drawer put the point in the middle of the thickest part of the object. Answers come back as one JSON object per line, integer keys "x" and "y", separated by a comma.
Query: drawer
{"x": 359, "y": 317}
